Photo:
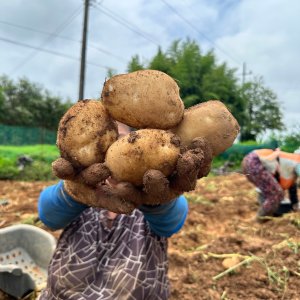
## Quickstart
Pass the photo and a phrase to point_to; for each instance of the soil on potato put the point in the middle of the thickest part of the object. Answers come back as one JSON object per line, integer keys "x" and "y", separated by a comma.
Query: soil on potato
{"x": 219, "y": 233}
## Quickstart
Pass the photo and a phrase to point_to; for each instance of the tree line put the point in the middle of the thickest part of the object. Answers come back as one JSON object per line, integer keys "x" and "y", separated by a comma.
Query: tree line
{"x": 200, "y": 78}
{"x": 24, "y": 103}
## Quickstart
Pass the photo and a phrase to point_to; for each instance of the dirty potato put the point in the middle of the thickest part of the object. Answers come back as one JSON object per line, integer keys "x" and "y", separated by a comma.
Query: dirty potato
{"x": 134, "y": 154}
{"x": 85, "y": 132}
{"x": 143, "y": 99}
{"x": 210, "y": 120}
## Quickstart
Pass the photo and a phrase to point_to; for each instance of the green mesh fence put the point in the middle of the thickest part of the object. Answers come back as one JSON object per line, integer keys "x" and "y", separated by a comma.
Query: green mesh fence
{"x": 242, "y": 150}
{"x": 16, "y": 135}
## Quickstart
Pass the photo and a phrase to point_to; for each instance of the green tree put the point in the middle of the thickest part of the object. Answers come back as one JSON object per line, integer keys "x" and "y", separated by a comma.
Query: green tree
{"x": 198, "y": 76}
{"x": 111, "y": 72}
{"x": 135, "y": 64}
{"x": 201, "y": 78}
{"x": 161, "y": 62}
{"x": 262, "y": 110}
{"x": 290, "y": 141}
{"x": 187, "y": 68}
{"x": 221, "y": 84}
{"x": 27, "y": 104}
{"x": 2, "y": 99}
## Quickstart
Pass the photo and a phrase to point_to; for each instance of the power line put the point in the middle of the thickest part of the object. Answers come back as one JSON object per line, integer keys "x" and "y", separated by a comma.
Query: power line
{"x": 50, "y": 52}
{"x": 91, "y": 45}
{"x": 147, "y": 35}
{"x": 122, "y": 59}
{"x": 126, "y": 24}
{"x": 199, "y": 32}
{"x": 59, "y": 29}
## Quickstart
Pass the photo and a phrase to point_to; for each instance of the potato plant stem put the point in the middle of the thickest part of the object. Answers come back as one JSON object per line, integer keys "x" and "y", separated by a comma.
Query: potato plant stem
{"x": 226, "y": 255}
{"x": 245, "y": 261}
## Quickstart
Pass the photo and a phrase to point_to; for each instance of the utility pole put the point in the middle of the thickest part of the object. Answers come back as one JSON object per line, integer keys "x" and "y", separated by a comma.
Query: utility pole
{"x": 83, "y": 49}
{"x": 244, "y": 74}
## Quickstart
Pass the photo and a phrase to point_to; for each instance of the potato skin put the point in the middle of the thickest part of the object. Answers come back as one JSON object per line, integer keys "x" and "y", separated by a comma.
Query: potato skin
{"x": 144, "y": 99}
{"x": 85, "y": 132}
{"x": 210, "y": 120}
{"x": 134, "y": 154}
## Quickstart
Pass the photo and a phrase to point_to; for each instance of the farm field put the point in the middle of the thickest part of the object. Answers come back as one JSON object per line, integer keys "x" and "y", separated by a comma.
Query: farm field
{"x": 219, "y": 234}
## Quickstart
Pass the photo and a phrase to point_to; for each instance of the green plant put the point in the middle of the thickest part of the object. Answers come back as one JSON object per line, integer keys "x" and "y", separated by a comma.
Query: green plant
{"x": 290, "y": 142}
{"x": 8, "y": 169}
{"x": 40, "y": 169}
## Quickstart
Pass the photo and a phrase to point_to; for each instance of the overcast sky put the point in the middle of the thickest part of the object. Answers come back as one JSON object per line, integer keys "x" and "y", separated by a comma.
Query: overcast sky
{"x": 264, "y": 34}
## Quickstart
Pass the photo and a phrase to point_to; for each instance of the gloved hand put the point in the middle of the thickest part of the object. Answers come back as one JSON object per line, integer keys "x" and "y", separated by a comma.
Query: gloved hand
{"x": 81, "y": 185}
{"x": 92, "y": 186}
{"x": 193, "y": 163}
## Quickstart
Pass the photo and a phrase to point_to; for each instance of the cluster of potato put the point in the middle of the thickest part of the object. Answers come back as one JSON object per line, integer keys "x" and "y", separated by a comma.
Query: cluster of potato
{"x": 149, "y": 102}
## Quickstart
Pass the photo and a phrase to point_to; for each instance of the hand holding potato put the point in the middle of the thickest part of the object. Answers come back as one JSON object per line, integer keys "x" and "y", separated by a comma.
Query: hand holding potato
{"x": 84, "y": 134}
{"x": 153, "y": 165}
{"x": 81, "y": 185}
{"x": 157, "y": 188}
{"x": 132, "y": 155}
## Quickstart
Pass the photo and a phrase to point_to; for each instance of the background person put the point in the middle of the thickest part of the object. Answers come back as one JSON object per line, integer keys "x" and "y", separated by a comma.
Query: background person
{"x": 273, "y": 172}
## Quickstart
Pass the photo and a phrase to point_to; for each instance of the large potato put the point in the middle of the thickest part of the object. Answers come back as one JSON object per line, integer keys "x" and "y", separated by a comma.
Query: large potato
{"x": 210, "y": 120}
{"x": 85, "y": 132}
{"x": 131, "y": 156}
{"x": 144, "y": 99}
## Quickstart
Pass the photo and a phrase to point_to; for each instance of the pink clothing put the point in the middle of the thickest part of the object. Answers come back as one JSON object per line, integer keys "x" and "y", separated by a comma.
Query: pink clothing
{"x": 265, "y": 181}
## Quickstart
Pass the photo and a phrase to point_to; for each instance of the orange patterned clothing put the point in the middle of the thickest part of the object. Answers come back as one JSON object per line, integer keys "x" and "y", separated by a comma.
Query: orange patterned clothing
{"x": 280, "y": 162}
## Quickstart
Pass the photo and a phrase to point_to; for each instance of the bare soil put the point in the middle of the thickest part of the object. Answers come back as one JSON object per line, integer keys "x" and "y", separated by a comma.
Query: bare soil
{"x": 220, "y": 232}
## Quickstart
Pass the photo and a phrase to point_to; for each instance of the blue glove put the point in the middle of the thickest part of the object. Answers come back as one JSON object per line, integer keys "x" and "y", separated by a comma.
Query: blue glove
{"x": 166, "y": 219}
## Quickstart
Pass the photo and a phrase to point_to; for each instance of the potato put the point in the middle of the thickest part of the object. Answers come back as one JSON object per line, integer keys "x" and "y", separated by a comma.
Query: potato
{"x": 144, "y": 99}
{"x": 85, "y": 132}
{"x": 134, "y": 154}
{"x": 210, "y": 120}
